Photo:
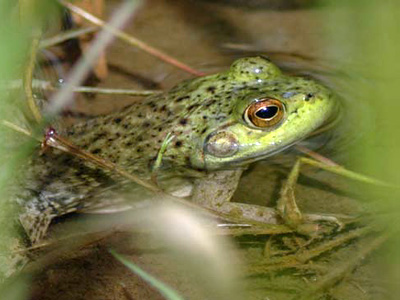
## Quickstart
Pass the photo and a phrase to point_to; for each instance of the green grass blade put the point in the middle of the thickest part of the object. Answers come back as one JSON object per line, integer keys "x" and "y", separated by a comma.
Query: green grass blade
{"x": 165, "y": 290}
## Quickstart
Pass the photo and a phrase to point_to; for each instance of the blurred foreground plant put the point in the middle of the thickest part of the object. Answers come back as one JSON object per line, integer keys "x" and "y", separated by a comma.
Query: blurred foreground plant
{"x": 13, "y": 45}
{"x": 19, "y": 22}
{"x": 364, "y": 37}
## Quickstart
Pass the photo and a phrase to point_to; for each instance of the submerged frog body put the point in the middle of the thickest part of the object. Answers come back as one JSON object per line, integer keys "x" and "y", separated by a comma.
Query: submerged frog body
{"x": 220, "y": 124}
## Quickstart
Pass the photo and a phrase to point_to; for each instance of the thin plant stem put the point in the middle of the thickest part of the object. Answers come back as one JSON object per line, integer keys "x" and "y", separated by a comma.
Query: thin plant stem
{"x": 316, "y": 156}
{"x": 131, "y": 40}
{"x": 339, "y": 170}
{"x": 106, "y": 91}
{"x": 27, "y": 82}
{"x": 46, "y": 85}
{"x": 168, "y": 139}
{"x": 16, "y": 128}
{"x": 65, "y": 36}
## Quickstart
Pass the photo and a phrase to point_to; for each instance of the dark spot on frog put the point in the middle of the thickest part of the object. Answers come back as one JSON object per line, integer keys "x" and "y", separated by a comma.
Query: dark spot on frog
{"x": 183, "y": 121}
{"x": 211, "y": 102}
{"x": 117, "y": 120}
{"x": 211, "y": 89}
{"x": 219, "y": 193}
{"x": 181, "y": 98}
{"x": 151, "y": 104}
{"x": 101, "y": 135}
{"x": 96, "y": 151}
{"x": 178, "y": 144}
{"x": 191, "y": 107}
{"x": 66, "y": 161}
{"x": 146, "y": 124}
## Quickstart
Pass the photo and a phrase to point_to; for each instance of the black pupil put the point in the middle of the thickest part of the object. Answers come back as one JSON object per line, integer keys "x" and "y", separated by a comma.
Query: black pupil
{"x": 267, "y": 112}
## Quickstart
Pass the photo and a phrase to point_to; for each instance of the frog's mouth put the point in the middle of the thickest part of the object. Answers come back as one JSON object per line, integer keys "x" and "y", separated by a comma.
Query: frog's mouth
{"x": 241, "y": 162}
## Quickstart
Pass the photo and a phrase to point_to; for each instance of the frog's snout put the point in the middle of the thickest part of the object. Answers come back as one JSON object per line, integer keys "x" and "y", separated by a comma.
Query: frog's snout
{"x": 221, "y": 144}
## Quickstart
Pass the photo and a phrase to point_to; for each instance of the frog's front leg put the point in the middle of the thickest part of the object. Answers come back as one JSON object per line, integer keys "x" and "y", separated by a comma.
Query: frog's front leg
{"x": 287, "y": 206}
{"x": 216, "y": 190}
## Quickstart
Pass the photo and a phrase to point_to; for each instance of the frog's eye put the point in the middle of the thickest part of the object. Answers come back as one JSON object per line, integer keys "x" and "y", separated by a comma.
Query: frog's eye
{"x": 264, "y": 113}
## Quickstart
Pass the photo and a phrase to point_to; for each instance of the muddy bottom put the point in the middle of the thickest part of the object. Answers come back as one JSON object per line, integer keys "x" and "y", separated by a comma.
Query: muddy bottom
{"x": 208, "y": 35}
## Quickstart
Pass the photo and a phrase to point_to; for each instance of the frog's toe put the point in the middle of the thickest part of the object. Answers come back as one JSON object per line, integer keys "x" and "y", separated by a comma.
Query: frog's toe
{"x": 315, "y": 218}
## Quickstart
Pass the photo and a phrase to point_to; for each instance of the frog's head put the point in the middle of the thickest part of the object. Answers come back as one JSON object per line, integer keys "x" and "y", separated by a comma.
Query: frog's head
{"x": 265, "y": 112}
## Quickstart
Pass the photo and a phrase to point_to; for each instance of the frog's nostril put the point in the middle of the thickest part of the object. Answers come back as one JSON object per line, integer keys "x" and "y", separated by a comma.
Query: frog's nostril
{"x": 308, "y": 96}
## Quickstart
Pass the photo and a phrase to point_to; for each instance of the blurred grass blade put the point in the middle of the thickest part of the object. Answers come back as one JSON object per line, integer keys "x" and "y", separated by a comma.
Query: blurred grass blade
{"x": 164, "y": 289}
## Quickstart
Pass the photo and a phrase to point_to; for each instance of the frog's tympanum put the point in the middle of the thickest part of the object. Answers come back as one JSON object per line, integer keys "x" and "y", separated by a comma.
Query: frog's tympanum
{"x": 220, "y": 124}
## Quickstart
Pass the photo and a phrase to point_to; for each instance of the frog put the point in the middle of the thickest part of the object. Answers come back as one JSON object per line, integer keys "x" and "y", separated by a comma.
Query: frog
{"x": 216, "y": 125}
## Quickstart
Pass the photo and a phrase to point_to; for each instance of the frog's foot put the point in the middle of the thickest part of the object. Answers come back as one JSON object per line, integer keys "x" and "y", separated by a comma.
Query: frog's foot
{"x": 308, "y": 224}
{"x": 315, "y": 218}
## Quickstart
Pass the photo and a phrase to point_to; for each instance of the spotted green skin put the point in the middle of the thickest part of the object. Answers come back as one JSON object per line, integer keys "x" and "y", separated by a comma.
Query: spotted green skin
{"x": 192, "y": 112}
